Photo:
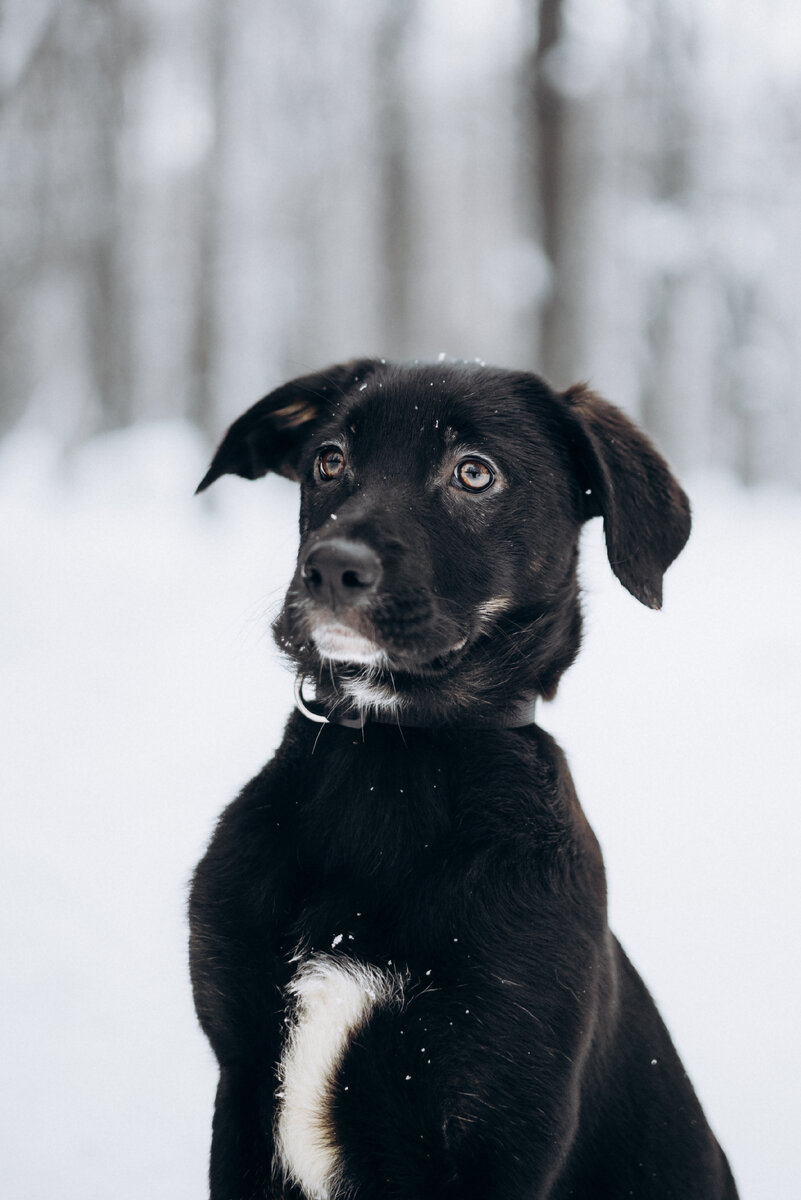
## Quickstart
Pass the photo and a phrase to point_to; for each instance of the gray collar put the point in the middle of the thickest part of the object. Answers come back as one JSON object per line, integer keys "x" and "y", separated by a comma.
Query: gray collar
{"x": 516, "y": 718}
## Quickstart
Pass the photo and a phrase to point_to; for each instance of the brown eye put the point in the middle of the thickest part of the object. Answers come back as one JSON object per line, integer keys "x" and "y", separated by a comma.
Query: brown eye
{"x": 331, "y": 462}
{"x": 474, "y": 475}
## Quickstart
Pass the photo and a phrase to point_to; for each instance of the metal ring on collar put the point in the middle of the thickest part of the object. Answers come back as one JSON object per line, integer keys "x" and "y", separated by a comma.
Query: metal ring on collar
{"x": 321, "y": 718}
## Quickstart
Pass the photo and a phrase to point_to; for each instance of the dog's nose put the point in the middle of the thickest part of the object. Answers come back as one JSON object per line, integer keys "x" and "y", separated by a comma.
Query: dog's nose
{"x": 340, "y": 573}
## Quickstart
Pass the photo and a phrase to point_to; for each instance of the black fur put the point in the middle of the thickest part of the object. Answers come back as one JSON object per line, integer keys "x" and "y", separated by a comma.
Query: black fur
{"x": 528, "y": 1060}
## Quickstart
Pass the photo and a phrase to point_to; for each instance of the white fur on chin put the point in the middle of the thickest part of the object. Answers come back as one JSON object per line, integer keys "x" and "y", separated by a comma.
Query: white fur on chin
{"x": 339, "y": 643}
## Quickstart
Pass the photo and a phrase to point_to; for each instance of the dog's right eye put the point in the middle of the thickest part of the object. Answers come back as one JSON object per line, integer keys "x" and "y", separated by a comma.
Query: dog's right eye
{"x": 473, "y": 475}
{"x": 330, "y": 462}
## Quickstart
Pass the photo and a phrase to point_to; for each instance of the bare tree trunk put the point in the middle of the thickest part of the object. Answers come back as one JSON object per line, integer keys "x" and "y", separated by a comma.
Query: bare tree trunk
{"x": 669, "y": 82}
{"x": 108, "y": 298}
{"x": 205, "y": 335}
{"x": 572, "y": 129}
{"x": 394, "y": 169}
{"x": 548, "y": 123}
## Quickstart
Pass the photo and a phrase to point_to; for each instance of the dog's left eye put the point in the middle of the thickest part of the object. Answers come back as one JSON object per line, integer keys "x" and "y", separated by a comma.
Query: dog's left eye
{"x": 473, "y": 475}
{"x": 330, "y": 462}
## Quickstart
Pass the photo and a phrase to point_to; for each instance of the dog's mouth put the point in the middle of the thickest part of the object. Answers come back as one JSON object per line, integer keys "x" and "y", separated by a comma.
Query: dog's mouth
{"x": 353, "y": 639}
{"x": 441, "y": 662}
{"x": 338, "y": 642}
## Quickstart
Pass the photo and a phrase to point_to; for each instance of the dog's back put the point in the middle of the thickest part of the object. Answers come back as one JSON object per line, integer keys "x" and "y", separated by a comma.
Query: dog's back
{"x": 399, "y": 941}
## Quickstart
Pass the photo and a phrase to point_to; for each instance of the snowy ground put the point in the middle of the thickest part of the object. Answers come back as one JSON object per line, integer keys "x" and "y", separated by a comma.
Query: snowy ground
{"x": 141, "y": 689}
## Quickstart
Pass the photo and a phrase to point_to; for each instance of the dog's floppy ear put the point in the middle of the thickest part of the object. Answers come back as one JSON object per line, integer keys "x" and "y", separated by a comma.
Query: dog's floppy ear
{"x": 627, "y": 482}
{"x": 271, "y": 434}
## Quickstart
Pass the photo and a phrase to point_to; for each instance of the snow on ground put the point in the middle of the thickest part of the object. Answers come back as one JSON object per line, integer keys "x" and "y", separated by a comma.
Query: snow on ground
{"x": 141, "y": 689}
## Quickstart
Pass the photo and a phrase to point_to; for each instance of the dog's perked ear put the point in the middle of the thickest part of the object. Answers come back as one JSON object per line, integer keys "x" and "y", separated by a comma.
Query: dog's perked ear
{"x": 271, "y": 434}
{"x": 627, "y": 482}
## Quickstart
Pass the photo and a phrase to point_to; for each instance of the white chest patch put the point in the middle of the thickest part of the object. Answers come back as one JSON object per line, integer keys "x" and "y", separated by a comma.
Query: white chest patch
{"x": 333, "y": 997}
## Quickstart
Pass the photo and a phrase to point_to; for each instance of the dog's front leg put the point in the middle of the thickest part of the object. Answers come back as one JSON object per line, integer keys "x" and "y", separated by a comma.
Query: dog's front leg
{"x": 471, "y": 1089}
{"x": 237, "y": 976}
{"x": 241, "y": 1145}
{"x": 453, "y": 1098}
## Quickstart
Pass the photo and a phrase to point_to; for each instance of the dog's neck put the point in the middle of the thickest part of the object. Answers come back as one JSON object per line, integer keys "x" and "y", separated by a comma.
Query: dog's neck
{"x": 515, "y": 716}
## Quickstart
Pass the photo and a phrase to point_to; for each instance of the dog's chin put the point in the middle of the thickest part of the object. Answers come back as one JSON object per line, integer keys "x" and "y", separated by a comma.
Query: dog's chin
{"x": 335, "y": 642}
{"x": 339, "y": 643}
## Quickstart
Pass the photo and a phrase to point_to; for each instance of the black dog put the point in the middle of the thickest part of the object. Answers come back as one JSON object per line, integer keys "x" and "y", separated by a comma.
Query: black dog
{"x": 400, "y": 950}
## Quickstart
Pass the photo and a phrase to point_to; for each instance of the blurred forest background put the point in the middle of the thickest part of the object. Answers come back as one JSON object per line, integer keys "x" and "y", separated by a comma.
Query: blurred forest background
{"x": 201, "y": 199}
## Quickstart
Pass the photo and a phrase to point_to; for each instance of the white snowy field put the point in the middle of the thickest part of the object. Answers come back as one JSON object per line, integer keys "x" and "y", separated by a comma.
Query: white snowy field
{"x": 140, "y": 689}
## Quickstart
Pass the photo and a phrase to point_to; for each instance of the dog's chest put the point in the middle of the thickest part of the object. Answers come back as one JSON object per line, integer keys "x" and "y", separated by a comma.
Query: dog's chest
{"x": 371, "y": 837}
{"x": 372, "y": 811}
{"x": 371, "y": 854}
{"x": 389, "y": 844}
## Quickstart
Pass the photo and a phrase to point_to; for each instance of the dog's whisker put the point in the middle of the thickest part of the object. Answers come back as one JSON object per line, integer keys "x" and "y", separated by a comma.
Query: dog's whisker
{"x": 316, "y": 740}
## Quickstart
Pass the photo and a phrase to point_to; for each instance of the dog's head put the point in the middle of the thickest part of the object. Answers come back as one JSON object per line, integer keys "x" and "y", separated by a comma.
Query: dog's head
{"x": 440, "y": 512}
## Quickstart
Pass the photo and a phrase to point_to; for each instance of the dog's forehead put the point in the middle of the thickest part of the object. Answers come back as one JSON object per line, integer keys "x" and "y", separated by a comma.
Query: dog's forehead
{"x": 440, "y": 404}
